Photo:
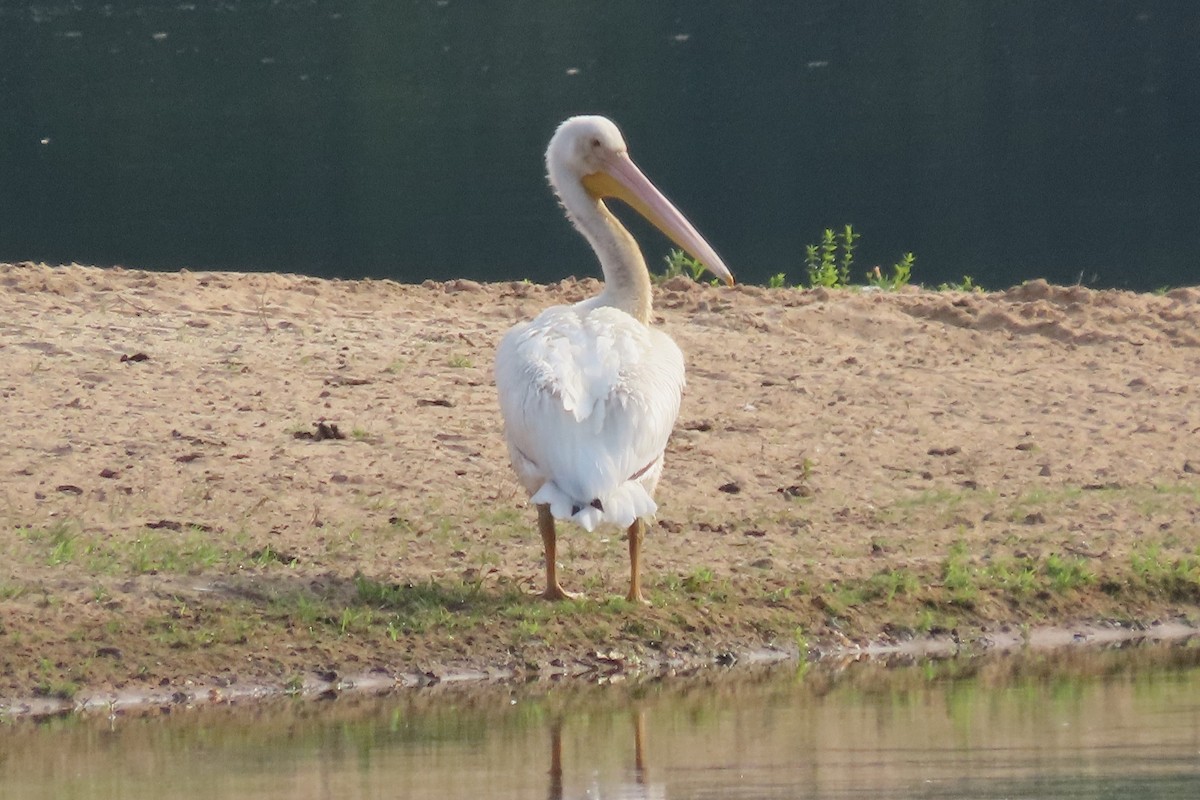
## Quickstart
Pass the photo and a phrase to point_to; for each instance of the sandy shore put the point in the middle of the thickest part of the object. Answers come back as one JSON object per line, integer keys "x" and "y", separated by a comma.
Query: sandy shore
{"x": 849, "y": 468}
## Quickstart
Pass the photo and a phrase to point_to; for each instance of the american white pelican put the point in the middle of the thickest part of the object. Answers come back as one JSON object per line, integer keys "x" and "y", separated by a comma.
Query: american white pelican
{"x": 590, "y": 392}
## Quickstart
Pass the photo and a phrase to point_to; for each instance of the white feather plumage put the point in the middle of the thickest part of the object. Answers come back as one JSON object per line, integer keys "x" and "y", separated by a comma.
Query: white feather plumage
{"x": 589, "y": 396}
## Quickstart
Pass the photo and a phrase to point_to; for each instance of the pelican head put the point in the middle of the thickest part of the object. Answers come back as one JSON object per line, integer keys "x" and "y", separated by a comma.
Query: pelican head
{"x": 588, "y": 155}
{"x": 582, "y": 145}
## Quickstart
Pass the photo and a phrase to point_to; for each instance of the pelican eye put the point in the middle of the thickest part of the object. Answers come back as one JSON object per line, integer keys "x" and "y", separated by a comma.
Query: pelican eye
{"x": 596, "y": 144}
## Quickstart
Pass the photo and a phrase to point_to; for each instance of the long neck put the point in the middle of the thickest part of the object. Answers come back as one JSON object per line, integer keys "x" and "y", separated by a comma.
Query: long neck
{"x": 626, "y": 279}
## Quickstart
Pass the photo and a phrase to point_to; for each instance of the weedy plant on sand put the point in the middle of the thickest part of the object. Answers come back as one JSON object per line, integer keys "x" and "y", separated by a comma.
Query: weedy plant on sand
{"x": 967, "y": 284}
{"x": 680, "y": 263}
{"x": 828, "y": 265}
{"x": 901, "y": 273}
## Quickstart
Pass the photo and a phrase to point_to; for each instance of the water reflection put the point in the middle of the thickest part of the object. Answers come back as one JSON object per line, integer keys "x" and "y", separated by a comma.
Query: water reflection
{"x": 636, "y": 785}
{"x": 1078, "y": 724}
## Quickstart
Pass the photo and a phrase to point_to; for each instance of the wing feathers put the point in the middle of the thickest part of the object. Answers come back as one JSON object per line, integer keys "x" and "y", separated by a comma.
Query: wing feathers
{"x": 589, "y": 398}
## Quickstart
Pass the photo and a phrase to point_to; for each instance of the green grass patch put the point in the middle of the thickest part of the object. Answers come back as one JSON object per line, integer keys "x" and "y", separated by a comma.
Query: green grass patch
{"x": 889, "y": 583}
{"x": 1016, "y": 578}
{"x": 701, "y": 584}
{"x": 960, "y": 577}
{"x": 189, "y": 550}
{"x": 1066, "y": 573}
{"x": 431, "y": 606}
{"x": 1159, "y": 572}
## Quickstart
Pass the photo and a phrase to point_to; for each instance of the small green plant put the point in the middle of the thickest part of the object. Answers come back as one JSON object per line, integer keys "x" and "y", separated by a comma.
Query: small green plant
{"x": 777, "y": 595}
{"x": 60, "y": 688}
{"x": 526, "y": 629}
{"x": 53, "y": 684}
{"x": 967, "y": 284}
{"x": 1067, "y": 573}
{"x": 680, "y": 263}
{"x": 849, "y": 237}
{"x": 959, "y": 577}
{"x": 63, "y": 550}
{"x": 1178, "y": 577}
{"x": 829, "y": 264}
{"x": 354, "y": 620}
{"x": 700, "y": 579}
{"x": 1016, "y": 576}
{"x": 901, "y": 274}
{"x": 931, "y": 620}
{"x": 888, "y": 583}
{"x": 60, "y": 540}
{"x": 460, "y": 362}
{"x": 825, "y": 266}
{"x": 777, "y": 281}
{"x": 268, "y": 555}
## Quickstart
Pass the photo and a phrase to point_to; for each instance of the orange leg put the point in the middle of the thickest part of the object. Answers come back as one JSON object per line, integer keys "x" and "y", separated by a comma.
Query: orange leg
{"x": 636, "y": 533}
{"x": 550, "y": 545}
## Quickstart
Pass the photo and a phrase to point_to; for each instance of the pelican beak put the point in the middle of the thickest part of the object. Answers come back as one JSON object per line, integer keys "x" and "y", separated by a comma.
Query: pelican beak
{"x": 623, "y": 180}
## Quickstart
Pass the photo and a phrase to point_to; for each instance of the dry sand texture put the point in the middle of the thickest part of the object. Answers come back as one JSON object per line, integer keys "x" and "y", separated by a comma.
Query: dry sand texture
{"x": 848, "y": 467}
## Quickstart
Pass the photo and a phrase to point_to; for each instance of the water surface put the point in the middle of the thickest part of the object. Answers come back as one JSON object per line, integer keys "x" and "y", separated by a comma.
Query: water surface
{"x": 1111, "y": 724}
{"x": 403, "y": 139}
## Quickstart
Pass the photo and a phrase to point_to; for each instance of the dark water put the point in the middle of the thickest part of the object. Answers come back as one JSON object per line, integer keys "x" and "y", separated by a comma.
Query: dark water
{"x": 1077, "y": 725}
{"x": 403, "y": 138}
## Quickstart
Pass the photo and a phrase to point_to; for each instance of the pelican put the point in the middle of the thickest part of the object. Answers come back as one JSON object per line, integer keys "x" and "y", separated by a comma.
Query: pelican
{"x": 589, "y": 392}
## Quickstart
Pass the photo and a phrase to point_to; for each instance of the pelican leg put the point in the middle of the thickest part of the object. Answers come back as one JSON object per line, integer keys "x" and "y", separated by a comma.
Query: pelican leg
{"x": 636, "y": 533}
{"x": 546, "y": 525}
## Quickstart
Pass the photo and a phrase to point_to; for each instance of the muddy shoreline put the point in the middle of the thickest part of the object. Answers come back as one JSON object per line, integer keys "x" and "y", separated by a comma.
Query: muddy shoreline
{"x": 600, "y": 669}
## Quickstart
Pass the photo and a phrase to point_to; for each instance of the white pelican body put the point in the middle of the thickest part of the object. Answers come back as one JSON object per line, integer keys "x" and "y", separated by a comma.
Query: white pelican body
{"x": 588, "y": 415}
{"x": 590, "y": 392}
